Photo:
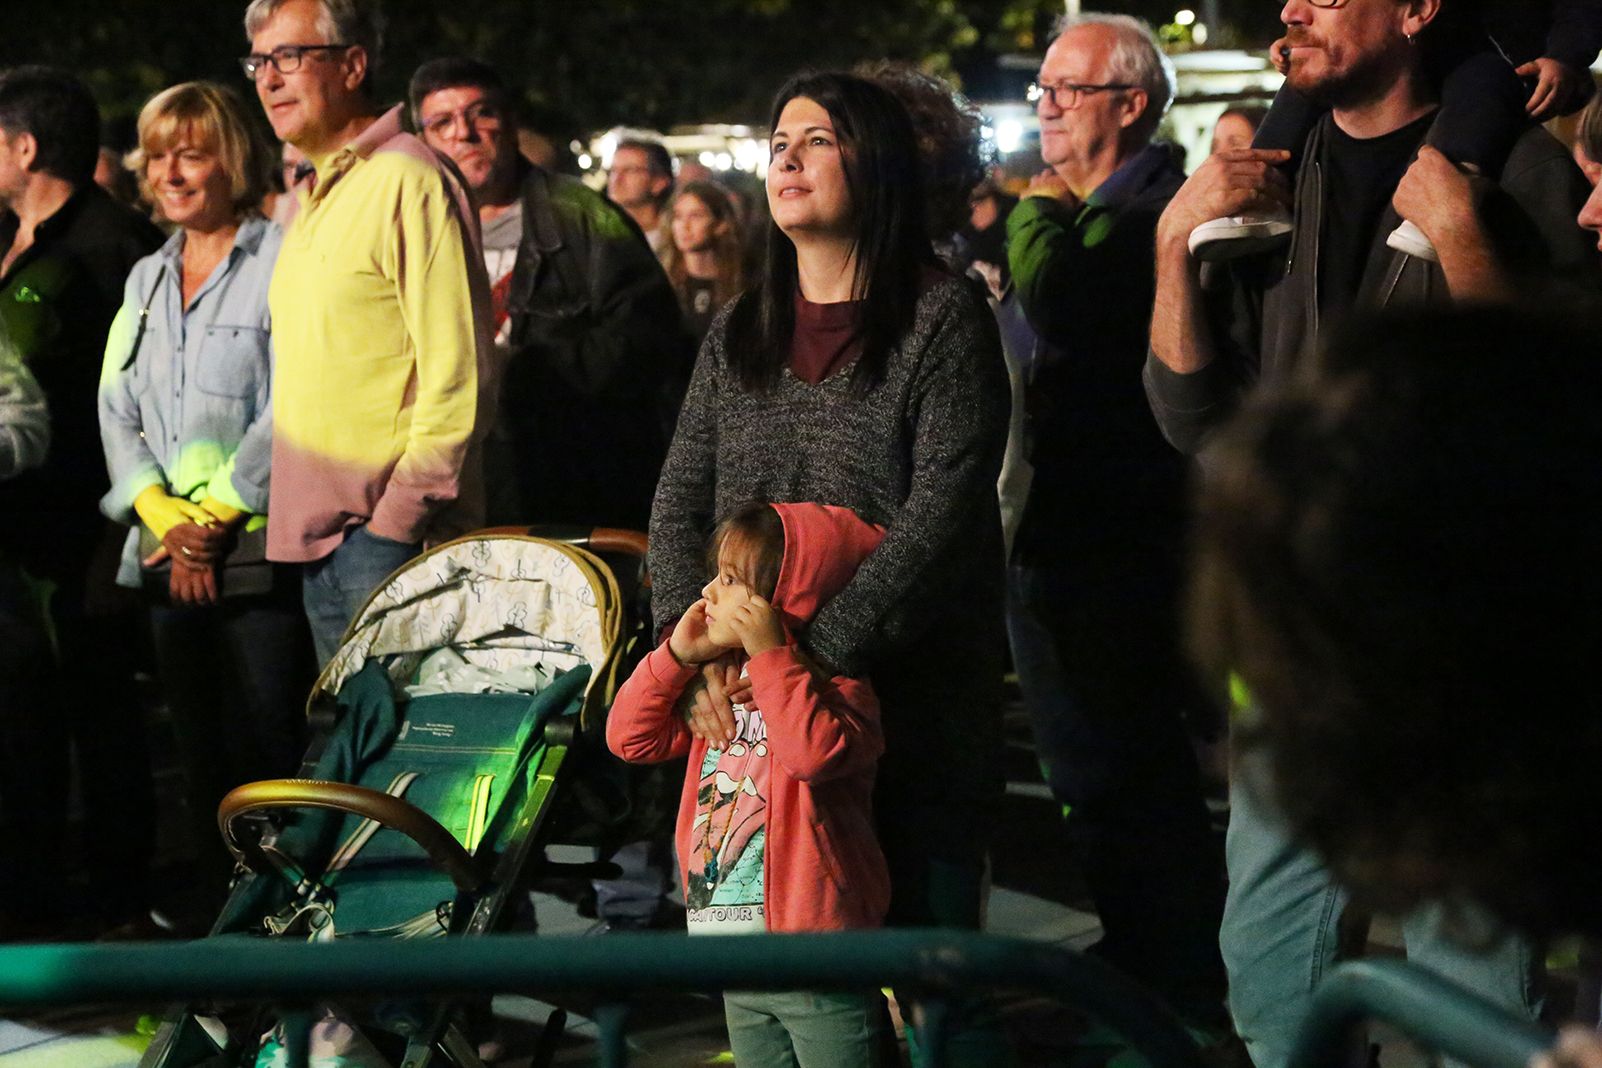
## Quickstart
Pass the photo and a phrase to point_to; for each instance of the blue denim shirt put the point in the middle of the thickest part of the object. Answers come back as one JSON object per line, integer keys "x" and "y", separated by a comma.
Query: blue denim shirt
{"x": 192, "y": 409}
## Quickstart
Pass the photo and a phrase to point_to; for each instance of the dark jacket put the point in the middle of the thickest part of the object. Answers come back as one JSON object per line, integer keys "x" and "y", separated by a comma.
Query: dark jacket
{"x": 56, "y": 305}
{"x": 1085, "y": 278}
{"x": 1264, "y": 310}
{"x": 1569, "y": 30}
{"x": 599, "y": 360}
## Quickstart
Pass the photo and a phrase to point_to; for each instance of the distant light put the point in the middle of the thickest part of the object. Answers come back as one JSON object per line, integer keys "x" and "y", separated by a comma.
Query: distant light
{"x": 722, "y": 162}
{"x": 751, "y": 155}
{"x": 1184, "y": 17}
{"x": 1009, "y": 135}
{"x": 707, "y": 158}
{"x": 1198, "y": 33}
{"x": 584, "y": 161}
{"x": 576, "y": 145}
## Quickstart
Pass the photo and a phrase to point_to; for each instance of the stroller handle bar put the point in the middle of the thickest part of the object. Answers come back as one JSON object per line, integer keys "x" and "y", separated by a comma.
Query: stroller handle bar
{"x": 596, "y": 539}
{"x": 388, "y": 811}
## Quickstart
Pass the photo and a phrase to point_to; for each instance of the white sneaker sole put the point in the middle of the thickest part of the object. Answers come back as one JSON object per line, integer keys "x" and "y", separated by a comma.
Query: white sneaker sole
{"x": 1228, "y": 239}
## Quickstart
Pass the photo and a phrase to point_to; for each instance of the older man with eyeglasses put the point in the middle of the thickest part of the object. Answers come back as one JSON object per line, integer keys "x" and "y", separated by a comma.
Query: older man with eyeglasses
{"x": 381, "y": 325}
{"x": 1094, "y": 577}
{"x": 1215, "y": 335}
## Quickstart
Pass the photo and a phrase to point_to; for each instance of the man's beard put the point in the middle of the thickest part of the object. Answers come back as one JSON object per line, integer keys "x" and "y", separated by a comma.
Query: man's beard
{"x": 1366, "y": 80}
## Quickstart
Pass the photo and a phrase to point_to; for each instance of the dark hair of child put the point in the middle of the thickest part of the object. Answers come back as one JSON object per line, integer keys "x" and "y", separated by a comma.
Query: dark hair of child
{"x": 757, "y": 545}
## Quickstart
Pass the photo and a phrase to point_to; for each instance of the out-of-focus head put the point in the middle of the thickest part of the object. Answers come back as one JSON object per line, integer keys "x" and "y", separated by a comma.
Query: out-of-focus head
{"x": 1350, "y": 53}
{"x": 199, "y": 154}
{"x": 463, "y": 110}
{"x": 1236, "y": 127}
{"x": 49, "y": 125}
{"x": 701, "y": 214}
{"x": 312, "y": 62}
{"x": 947, "y": 126}
{"x": 693, "y": 170}
{"x": 641, "y": 174}
{"x": 1399, "y": 553}
{"x": 1103, "y": 83}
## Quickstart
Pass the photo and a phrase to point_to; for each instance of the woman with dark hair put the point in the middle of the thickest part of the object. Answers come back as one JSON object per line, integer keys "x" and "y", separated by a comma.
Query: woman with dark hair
{"x": 856, "y": 372}
{"x": 704, "y": 252}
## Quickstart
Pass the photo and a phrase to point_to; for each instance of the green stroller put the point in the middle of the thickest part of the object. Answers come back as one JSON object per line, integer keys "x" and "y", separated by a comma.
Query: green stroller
{"x": 459, "y": 695}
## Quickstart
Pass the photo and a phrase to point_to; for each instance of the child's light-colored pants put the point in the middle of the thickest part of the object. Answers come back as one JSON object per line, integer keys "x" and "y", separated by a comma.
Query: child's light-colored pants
{"x": 803, "y": 1029}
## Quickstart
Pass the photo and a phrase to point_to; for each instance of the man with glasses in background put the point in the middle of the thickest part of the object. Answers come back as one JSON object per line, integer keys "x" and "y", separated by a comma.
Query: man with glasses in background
{"x": 582, "y": 310}
{"x": 380, "y": 320}
{"x": 1094, "y": 577}
{"x": 1215, "y": 334}
{"x": 641, "y": 180}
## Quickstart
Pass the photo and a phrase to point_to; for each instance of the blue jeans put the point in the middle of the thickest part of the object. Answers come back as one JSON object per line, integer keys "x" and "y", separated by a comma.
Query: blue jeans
{"x": 336, "y": 587}
{"x": 1280, "y": 934}
{"x": 802, "y": 1029}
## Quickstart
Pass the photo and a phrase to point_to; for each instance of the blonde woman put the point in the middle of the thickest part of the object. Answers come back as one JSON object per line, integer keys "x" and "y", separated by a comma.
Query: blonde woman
{"x": 703, "y": 255}
{"x": 185, "y": 419}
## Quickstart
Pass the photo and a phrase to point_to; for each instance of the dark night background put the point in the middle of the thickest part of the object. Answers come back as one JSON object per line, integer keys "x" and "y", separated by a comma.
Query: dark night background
{"x": 585, "y": 65}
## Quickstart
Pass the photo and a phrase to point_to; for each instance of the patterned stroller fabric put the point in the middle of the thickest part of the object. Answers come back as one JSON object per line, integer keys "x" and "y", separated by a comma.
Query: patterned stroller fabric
{"x": 500, "y": 605}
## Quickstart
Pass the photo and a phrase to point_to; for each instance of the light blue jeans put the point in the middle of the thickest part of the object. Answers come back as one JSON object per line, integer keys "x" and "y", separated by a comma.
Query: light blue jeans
{"x": 802, "y": 1029}
{"x": 335, "y": 587}
{"x": 1279, "y": 935}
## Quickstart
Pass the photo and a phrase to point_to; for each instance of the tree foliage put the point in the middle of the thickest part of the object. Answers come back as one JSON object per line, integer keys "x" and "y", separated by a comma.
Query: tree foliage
{"x": 582, "y": 64}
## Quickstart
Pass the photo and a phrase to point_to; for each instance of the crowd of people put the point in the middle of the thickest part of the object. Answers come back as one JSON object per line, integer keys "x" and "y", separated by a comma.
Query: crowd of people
{"x": 885, "y": 430}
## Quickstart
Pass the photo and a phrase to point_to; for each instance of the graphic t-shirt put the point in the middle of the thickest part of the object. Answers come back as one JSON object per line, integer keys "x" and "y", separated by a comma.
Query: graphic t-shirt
{"x": 502, "y": 235}
{"x": 699, "y": 306}
{"x": 725, "y": 866}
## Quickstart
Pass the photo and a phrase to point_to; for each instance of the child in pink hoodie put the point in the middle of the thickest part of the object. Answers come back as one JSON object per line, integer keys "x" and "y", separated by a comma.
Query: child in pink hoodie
{"x": 775, "y": 830}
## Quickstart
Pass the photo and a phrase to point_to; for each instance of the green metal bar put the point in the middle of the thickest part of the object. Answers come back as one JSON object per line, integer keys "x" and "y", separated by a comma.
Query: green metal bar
{"x": 935, "y": 1013}
{"x": 926, "y": 963}
{"x": 297, "y": 1038}
{"x": 1433, "y": 1012}
{"x": 612, "y": 1019}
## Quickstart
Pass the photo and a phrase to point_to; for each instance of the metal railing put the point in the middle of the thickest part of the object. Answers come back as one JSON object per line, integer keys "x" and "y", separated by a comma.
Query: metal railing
{"x": 1436, "y": 1014}
{"x": 936, "y": 968}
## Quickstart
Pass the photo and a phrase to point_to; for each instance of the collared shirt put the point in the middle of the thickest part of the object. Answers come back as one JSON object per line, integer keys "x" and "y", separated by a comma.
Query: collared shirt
{"x": 380, "y": 317}
{"x": 191, "y": 409}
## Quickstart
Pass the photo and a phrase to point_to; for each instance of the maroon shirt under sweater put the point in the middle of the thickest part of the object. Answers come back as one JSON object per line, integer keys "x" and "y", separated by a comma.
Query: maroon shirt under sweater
{"x": 827, "y": 337}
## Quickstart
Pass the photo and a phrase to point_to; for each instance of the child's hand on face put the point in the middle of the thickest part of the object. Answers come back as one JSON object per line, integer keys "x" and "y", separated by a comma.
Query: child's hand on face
{"x": 757, "y": 626}
{"x": 689, "y": 642}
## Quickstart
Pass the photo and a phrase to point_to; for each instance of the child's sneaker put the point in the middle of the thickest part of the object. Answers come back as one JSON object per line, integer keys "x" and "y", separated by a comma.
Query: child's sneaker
{"x": 1240, "y": 235}
{"x": 1411, "y": 240}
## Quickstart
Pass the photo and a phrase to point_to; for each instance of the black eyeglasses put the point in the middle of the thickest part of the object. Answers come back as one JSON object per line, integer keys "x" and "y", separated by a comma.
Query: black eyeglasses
{"x": 286, "y": 58}
{"x": 482, "y": 116}
{"x": 1070, "y": 95}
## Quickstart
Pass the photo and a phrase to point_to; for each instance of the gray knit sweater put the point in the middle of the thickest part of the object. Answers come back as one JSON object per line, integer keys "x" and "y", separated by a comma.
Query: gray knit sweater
{"x": 918, "y": 454}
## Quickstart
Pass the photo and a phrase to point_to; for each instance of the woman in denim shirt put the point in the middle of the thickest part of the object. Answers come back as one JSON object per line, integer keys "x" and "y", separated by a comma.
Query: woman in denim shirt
{"x": 185, "y": 417}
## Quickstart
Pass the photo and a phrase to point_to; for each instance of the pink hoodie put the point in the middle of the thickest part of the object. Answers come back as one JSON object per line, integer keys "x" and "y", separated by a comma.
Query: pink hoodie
{"x": 823, "y": 870}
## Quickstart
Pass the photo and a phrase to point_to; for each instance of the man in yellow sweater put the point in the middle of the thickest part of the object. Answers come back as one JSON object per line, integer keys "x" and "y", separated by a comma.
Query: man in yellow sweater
{"x": 380, "y": 320}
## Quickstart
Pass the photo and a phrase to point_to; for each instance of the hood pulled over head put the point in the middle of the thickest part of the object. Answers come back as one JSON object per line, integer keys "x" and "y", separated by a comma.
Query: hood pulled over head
{"x": 824, "y": 544}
